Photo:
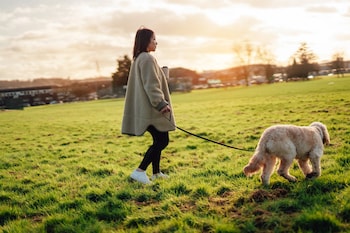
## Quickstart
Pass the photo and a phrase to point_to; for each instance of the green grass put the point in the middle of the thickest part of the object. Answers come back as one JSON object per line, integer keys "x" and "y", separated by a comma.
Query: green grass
{"x": 65, "y": 168}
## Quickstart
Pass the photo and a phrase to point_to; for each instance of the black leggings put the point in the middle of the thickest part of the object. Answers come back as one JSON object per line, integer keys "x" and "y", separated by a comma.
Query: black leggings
{"x": 160, "y": 141}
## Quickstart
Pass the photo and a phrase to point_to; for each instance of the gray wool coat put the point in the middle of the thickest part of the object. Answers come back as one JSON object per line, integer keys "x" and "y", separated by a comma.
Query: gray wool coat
{"x": 146, "y": 94}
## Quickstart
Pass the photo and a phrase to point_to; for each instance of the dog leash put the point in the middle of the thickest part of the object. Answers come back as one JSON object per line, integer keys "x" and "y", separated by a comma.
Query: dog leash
{"x": 206, "y": 139}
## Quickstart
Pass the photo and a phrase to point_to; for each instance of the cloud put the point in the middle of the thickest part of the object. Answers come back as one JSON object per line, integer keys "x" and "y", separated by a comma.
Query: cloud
{"x": 347, "y": 14}
{"x": 30, "y": 35}
{"x": 344, "y": 37}
{"x": 66, "y": 38}
{"x": 322, "y": 9}
{"x": 271, "y": 4}
{"x": 200, "y": 4}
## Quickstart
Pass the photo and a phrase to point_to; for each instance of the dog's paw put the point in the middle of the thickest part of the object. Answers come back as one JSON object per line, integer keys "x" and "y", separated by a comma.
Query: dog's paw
{"x": 289, "y": 177}
{"x": 311, "y": 175}
{"x": 292, "y": 179}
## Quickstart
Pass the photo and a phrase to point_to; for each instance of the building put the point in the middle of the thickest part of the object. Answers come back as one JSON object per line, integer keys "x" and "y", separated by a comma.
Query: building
{"x": 29, "y": 96}
{"x": 77, "y": 90}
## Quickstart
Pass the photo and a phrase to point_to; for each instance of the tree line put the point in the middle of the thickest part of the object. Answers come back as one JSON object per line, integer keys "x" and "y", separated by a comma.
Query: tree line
{"x": 247, "y": 55}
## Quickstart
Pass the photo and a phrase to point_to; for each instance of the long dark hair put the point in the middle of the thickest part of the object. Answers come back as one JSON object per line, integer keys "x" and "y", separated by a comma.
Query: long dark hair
{"x": 142, "y": 40}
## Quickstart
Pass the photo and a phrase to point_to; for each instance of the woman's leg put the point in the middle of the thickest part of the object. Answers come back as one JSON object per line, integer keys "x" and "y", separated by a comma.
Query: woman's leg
{"x": 160, "y": 141}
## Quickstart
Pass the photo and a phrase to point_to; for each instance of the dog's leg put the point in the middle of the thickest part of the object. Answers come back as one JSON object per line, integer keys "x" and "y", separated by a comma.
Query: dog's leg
{"x": 316, "y": 166}
{"x": 304, "y": 166}
{"x": 268, "y": 169}
{"x": 283, "y": 169}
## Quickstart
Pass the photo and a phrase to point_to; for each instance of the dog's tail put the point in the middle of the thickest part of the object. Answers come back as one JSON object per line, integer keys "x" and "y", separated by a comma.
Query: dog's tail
{"x": 255, "y": 163}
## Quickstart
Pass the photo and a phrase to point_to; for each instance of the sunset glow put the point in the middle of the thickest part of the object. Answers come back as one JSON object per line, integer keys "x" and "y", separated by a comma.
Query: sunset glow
{"x": 68, "y": 38}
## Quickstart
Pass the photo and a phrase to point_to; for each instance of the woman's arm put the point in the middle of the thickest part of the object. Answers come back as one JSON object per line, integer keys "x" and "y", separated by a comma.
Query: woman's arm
{"x": 152, "y": 83}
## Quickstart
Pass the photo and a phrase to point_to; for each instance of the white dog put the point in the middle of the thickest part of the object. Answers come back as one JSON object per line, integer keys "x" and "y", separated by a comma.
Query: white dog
{"x": 289, "y": 142}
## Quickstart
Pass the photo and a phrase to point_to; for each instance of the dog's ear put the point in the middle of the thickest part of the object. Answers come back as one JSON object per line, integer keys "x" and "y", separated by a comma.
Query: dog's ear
{"x": 326, "y": 139}
{"x": 324, "y": 132}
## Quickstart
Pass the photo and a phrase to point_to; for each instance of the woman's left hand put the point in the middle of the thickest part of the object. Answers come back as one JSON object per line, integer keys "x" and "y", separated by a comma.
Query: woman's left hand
{"x": 166, "y": 109}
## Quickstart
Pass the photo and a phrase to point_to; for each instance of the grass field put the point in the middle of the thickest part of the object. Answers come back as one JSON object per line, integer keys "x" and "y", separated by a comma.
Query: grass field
{"x": 65, "y": 168}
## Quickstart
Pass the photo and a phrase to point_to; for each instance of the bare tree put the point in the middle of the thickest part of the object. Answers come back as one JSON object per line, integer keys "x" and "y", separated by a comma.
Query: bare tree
{"x": 245, "y": 54}
{"x": 338, "y": 63}
{"x": 267, "y": 59}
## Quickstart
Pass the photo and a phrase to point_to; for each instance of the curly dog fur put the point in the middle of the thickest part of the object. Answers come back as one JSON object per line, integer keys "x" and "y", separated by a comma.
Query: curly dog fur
{"x": 289, "y": 142}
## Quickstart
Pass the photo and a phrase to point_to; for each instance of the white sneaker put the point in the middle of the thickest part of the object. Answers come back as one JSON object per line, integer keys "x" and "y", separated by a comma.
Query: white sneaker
{"x": 159, "y": 175}
{"x": 140, "y": 177}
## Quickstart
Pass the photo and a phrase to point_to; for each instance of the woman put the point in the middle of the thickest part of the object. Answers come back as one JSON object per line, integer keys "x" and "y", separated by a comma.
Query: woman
{"x": 147, "y": 104}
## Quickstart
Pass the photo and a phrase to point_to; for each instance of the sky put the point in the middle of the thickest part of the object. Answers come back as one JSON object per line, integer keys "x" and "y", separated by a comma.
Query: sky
{"x": 79, "y": 39}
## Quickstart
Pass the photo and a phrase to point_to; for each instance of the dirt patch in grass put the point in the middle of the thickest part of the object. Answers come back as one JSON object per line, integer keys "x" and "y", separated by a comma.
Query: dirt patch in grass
{"x": 224, "y": 205}
{"x": 219, "y": 201}
{"x": 261, "y": 217}
{"x": 186, "y": 206}
{"x": 264, "y": 195}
